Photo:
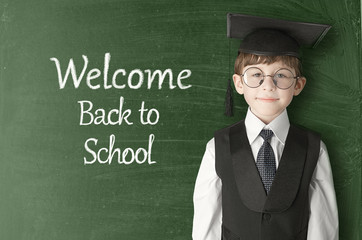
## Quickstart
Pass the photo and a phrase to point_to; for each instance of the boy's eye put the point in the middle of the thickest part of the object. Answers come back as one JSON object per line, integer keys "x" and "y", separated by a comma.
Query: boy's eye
{"x": 283, "y": 74}
{"x": 257, "y": 75}
{"x": 280, "y": 75}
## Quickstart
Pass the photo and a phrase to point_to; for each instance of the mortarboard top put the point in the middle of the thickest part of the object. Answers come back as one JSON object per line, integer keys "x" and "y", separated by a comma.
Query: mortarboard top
{"x": 273, "y": 37}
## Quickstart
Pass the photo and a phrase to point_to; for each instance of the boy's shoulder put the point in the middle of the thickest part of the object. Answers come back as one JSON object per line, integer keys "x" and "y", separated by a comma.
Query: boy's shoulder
{"x": 227, "y": 128}
{"x": 306, "y": 130}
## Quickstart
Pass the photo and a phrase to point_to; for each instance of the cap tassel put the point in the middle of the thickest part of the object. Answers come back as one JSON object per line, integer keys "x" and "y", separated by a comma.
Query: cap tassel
{"x": 229, "y": 100}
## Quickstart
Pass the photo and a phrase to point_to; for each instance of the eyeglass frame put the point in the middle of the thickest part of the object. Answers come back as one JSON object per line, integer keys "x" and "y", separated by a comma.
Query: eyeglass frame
{"x": 272, "y": 76}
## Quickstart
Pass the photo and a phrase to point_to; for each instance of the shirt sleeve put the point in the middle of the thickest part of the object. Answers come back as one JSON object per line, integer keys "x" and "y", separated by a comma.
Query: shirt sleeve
{"x": 207, "y": 199}
{"x": 323, "y": 221}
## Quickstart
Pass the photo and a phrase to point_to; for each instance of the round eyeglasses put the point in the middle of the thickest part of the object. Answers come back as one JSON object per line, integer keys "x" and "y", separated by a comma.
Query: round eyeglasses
{"x": 282, "y": 79}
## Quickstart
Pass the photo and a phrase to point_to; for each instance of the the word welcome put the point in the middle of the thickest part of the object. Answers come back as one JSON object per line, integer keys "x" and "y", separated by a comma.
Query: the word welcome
{"x": 120, "y": 80}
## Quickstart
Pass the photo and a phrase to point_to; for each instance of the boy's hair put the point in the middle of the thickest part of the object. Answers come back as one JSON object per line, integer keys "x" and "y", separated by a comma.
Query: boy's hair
{"x": 245, "y": 59}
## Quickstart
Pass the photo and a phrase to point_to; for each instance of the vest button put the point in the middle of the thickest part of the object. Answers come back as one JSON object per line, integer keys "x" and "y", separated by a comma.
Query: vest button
{"x": 266, "y": 216}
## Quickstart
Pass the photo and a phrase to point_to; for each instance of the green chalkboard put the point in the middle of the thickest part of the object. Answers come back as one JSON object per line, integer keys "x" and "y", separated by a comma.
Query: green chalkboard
{"x": 146, "y": 80}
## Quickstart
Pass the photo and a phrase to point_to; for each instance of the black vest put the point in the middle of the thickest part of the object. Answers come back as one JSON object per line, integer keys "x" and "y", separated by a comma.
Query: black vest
{"x": 248, "y": 213}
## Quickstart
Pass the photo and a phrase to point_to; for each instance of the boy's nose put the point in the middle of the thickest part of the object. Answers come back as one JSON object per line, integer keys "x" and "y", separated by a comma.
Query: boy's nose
{"x": 268, "y": 83}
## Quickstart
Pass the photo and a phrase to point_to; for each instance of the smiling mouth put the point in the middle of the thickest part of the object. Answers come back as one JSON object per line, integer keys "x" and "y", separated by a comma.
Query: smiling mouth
{"x": 268, "y": 99}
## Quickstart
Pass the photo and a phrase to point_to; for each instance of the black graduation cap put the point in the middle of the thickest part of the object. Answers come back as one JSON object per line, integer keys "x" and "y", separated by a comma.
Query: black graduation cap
{"x": 271, "y": 37}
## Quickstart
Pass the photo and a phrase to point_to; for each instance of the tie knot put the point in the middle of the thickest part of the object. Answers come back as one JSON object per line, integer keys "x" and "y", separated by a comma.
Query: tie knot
{"x": 266, "y": 134}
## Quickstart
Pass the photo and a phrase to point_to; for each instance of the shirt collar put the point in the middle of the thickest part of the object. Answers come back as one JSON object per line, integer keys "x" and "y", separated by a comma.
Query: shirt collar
{"x": 280, "y": 126}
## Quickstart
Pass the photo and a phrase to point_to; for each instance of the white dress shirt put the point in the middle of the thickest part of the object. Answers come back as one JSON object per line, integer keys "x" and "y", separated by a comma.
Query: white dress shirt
{"x": 323, "y": 220}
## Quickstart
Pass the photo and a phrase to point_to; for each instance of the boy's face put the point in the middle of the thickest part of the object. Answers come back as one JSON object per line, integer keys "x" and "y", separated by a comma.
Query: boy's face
{"x": 267, "y": 101}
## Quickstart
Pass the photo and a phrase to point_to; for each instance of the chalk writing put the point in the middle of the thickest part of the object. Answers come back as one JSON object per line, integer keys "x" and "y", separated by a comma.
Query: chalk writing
{"x": 135, "y": 77}
{"x": 149, "y": 115}
{"x": 128, "y": 156}
{"x": 99, "y": 116}
{"x": 120, "y": 79}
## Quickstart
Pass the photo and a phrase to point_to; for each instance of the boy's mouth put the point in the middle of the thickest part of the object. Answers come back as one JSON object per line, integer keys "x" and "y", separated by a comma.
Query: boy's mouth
{"x": 267, "y": 99}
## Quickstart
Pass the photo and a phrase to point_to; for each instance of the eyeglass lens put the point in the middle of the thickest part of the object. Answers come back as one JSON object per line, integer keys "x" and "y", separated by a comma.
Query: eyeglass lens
{"x": 254, "y": 77}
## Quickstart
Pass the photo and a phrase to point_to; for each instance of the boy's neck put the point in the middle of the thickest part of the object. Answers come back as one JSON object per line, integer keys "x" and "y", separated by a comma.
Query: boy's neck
{"x": 266, "y": 119}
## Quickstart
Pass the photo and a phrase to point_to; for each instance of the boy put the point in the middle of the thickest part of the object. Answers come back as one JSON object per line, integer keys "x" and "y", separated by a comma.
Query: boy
{"x": 263, "y": 178}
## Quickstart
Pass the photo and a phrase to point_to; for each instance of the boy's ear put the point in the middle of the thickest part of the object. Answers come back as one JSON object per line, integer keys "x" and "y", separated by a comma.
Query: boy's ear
{"x": 299, "y": 85}
{"x": 238, "y": 83}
